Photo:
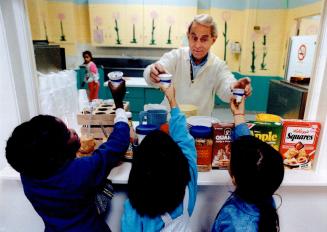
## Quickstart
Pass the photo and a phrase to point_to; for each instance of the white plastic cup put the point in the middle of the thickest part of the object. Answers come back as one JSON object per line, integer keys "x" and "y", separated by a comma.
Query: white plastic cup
{"x": 238, "y": 93}
{"x": 165, "y": 79}
{"x": 115, "y": 78}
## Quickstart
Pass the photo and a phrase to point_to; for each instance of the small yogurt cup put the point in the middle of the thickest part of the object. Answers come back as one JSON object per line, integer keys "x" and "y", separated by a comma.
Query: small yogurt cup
{"x": 165, "y": 79}
{"x": 238, "y": 93}
{"x": 115, "y": 77}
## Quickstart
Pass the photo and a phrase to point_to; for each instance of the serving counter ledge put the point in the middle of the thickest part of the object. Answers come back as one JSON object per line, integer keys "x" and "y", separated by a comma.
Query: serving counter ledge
{"x": 119, "y": 175}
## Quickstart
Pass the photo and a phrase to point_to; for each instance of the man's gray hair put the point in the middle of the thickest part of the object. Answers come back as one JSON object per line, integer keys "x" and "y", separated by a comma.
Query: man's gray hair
{"x": 206, "y": 20}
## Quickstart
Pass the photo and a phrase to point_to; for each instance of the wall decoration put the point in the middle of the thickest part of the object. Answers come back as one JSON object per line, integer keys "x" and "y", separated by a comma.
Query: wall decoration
{"x": 116, "y": 16}
{"x": 170, "y": 21}
{"x": 226, "y": 15}
{"x": 61, "y": 17}
{"x": 154, "y": 15}
{"x": 98, "y": 33}
{"x": 253, "y": 54}
{"x": 134, "y": 20}
{"x": 265, "y": 31}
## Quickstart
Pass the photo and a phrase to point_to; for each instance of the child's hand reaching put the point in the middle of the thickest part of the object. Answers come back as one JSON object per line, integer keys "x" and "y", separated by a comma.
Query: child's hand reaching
{"x": 170, "y": 95}
{"x": 118, "y": 93}
{"x": 238, "y": 110}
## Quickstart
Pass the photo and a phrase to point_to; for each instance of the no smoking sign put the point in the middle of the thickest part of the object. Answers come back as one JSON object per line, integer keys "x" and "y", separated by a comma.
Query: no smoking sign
{"x": 301, "y": 52}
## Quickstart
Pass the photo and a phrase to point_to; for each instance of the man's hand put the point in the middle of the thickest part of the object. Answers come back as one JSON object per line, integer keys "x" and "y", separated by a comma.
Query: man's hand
{"x": 118, "y": 93}
{"x": 244, "y": 83}
{"x": 155, "y": 70}
{"x": 170, "y": 95}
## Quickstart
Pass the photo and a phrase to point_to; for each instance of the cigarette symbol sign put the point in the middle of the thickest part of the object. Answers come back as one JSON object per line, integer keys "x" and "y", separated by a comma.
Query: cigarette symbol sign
{"x": 301, "y": 52}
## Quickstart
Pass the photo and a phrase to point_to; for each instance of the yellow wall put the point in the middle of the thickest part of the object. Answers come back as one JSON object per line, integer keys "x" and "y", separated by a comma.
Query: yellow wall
{"x": 309, "y": 26}
{"x": 82, "y": 23}
{"x": 75, "y": 23}
{"x": 38, "y": 18}
{"x": 141, "y": 15}
{"x": 79, "y": 26}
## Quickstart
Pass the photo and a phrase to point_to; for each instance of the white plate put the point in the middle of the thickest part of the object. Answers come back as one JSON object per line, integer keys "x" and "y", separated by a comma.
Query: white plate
{"x": 201, "y": 121}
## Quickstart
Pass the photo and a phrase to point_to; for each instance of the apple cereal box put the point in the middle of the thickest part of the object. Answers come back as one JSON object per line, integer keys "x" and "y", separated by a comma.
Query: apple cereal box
{"x": 269, "y": 132}
{"x": 221, "y": 145}
{"x": 299, "y": 143}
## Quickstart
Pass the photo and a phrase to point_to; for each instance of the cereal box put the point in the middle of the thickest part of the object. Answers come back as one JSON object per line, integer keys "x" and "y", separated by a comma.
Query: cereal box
{"x": 269, "y": 132}
{"x": 299, "y": 142}
{"x": 221, "y": 145}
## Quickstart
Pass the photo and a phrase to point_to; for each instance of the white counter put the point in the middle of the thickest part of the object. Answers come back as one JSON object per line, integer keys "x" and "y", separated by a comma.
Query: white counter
{"x": 134, "y": 82}
{"x": 119, "y": 175}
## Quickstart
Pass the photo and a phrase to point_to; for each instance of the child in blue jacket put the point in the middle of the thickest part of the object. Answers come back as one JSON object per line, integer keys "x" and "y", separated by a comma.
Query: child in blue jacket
{"x": 62, "y": 188}
{"x": 162, "y": 184}
{"x": 257, "y": 171}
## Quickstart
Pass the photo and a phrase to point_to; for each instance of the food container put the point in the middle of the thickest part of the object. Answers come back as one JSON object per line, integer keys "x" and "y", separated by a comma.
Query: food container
{"x": 238, "y": 94}
{"x": 269, "y": 132}
{"x": 153, "y": 117}
{"x": 203, "y": 144}
{"x": 88, "y": 145}
{"x": 222, "y": 145}
{"x": 268, "y": 118}
{"x": 299, "y": 143}
{"x": 143, "y": 130}
{"x": 188, "y": 110}
{"x": 201, "y": 121}
{"x": 165, "y": 79}
{"x": 115, "y": 77}
{"x": 165, "y": 128}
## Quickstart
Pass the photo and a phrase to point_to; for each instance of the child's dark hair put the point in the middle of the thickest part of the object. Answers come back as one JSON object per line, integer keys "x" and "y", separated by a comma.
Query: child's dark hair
{"x": 88, "y": 53}
{"x": 38, "y": 148}
{"x": 258, "y": 171}
{"x": 159, "y": 175}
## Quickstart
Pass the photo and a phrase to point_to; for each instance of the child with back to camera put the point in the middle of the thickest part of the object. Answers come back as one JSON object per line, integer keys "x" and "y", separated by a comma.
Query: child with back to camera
{"x": 91, "y": 76}
{"x": 257, "y": 171}
{"x": 162, "y": 184}
{"x": 60, "y": 187}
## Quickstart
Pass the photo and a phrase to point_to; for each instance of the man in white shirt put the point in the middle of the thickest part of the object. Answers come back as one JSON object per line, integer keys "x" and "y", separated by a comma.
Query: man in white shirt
{"x": 198, "y": 75}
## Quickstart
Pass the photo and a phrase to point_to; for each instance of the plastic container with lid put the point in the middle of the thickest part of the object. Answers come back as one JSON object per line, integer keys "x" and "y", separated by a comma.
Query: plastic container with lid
{"x": 203, "y": 143}
{"x": 188, "y": 110}
{"x": 143, "y": 130}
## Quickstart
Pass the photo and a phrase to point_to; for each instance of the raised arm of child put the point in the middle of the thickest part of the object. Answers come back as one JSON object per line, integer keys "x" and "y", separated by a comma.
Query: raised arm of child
{"x": 238, "y": 111}
{"x": 180, "y": 134}
{"x": 109, "y": 153}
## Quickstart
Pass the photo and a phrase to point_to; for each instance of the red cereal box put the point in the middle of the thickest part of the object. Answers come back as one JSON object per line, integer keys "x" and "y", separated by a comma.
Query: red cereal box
{"x": 299, "y": 142}
{"x": 221, "y": 145}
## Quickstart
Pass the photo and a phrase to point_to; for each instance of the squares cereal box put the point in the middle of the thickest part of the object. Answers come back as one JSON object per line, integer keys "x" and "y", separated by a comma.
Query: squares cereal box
{"x": 299, "y": 143}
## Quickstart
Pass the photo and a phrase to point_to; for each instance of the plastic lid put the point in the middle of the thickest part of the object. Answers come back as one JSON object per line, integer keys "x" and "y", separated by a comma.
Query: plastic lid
{"x": 200, "y": 131}
{"x": 145, "y": 129}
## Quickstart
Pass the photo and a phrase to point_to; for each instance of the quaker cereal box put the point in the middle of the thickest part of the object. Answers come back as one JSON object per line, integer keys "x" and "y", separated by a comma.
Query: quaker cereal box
{"x": 269, "y": 132}
{"x": 299, "y": 142}
{"x": 222, "y": 145}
